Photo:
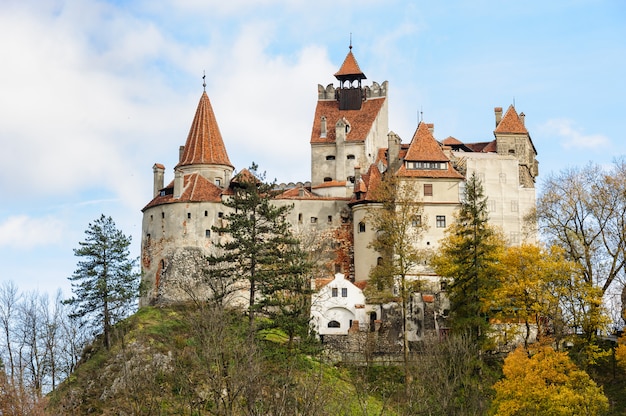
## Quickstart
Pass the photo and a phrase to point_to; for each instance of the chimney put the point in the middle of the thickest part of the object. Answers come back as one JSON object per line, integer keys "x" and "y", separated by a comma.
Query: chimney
{"x": 158, "y": 170}
{"x": 357, "y": 175}
{"x": 522, "y": 117}
{"x": 431, "y": 128}
{"x": 181, "y": 150}
{"x": 323, "y": 127}
{"x": 498, "y": 111}
{"x": 178, "y": 183}
{"x": 301, "y": 191}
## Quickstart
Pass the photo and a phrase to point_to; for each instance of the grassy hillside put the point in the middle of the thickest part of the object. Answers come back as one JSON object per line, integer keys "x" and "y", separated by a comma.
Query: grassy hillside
{"x": 185, "y": 360}
{"x": 190, "y": 361}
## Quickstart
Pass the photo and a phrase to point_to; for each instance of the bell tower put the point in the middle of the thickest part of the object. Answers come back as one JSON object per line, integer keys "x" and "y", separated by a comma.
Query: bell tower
{"x": 350, "y": 95}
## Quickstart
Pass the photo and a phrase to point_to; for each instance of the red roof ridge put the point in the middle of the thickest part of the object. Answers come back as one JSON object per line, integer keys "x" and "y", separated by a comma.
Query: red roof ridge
{"x": 204, "y": 143}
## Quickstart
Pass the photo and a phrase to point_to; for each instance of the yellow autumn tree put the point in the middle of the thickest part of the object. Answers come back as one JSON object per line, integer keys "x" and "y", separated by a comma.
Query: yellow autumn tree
{"x": 620, "y": 352}
{"x": 546, "y": 382}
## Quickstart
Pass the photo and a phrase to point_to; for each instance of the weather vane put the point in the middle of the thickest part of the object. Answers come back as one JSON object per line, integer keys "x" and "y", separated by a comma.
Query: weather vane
{"x": 204, "y": 80}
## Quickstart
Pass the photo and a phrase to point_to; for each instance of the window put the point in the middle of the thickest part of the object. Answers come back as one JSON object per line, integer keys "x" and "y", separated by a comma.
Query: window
{"x": 417, "y": 221}
{"x": 344, "y": 292}
{"x": 330, "y": 218}
{"x": 514, "y": 237}
{"x": 514, "y": 205}
{"x": 328, "y": 179}
{"x": 350, "y": 157}
{"x": 350, "y": 179}
{"x": 220, "y": 215}
{"x": 300, "y": 218}
{"x": 151, "y": 217}
{"x": 428, "y": 189}
{"x": 206, "y": 213}
{"x": 313, "y": 220}
{"x": 218, "y": 182}
{"x": 330, "y": 157}
{"x": 163, "y": 215}
{"x": 334, "y": 324}
{"x": 503, "y": 178}
{"x": 207, "y": 233}
{"x": 189, "y": 215}
{"x": 441, "y": 221}
{"x": 333, "y": 292}
{"x": 361, "y": 227}
{"x": 491, "y": 205}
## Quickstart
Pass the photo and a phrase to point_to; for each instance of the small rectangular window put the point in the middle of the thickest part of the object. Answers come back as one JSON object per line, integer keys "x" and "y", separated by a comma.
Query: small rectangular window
{"x": 220, "y": 215}
{"x": 218, "y": 182}
{"x": 207, "y": 233}
{"x": 417, "y": 221}
{"x": 344, "y": 292}
{"x": 361, "y": 227}
{"x": 441, "y": 221}
{"x": 300, "y": 218}
{"x": 313, "y": 220}
{"x": 428, "y": 189}
{"x": 189, "y": 215}
{"x": 330, "y": 218}
{"x": 334, "y": 292}
{"x": 514, "y": 205}
{"x": 491, "y": 205}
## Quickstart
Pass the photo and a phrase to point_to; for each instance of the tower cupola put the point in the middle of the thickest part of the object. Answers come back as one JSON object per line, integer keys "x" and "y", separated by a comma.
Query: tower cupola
{"x": 350, "y": 94}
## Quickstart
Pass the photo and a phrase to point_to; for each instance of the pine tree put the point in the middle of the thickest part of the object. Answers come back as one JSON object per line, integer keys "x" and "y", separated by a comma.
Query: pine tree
{"x": 106, "y": 283}
{"x": 260, "y": 248}
{"x": 468, "y": 256}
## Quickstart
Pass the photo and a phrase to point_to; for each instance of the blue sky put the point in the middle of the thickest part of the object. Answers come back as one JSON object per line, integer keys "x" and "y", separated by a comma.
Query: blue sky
{"x": 93, "y": 93}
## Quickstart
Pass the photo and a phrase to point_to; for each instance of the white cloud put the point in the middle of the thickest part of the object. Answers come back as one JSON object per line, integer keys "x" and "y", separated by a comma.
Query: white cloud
{"x": 24, "y": 232}
{"x": 572, "y": 137}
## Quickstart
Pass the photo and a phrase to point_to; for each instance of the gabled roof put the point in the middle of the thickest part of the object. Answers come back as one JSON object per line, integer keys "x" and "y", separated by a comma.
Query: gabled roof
{"x": 424, "y": 147}
{"x": 511, "y": 123}
{"x": 360, "y": 121}
{"x": 196, "y": 188}
{"x": 204, "y": 143}
{"x": 350, "y": 68}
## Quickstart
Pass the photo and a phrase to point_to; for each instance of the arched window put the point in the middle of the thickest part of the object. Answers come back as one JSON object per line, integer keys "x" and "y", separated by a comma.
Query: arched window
{"x": 350, "y": 157}
{"x": 334, "y": 324}
{"x": 328, "y": 179}
{"x": 361, "y": 227}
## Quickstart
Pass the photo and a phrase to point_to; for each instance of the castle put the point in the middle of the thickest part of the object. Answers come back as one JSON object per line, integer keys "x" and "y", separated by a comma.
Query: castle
{"x": 351, "y": 147}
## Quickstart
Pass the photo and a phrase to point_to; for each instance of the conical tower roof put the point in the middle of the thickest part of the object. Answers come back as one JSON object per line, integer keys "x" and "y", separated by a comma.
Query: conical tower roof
{"x": 204, "y": 145}
{"x": 350, "y": 68}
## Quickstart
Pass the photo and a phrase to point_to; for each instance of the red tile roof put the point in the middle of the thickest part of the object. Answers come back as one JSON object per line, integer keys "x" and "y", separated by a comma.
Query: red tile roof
{"x": 350, "y": 68}
{"x": 196, "y": 188}
{"x": 204, "y": 143}
{"x": 360, "y": 121}
{"x": 451, "y": 141}
{"x": 511, "y": 123}
{"x": 424, "y": 147}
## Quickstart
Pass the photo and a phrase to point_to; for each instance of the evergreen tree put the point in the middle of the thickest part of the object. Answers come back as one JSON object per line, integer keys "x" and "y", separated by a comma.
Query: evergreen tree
{"x": 106, "y": 283}
{"x": 260, "y": 248}
{"x": 469, "y": 256}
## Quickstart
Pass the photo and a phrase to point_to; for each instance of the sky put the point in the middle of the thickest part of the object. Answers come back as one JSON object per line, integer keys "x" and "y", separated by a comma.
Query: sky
{"x": 93, "y": 93}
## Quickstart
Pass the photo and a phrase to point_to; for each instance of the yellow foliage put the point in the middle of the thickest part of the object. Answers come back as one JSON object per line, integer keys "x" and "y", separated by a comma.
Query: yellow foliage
{"x": 620, "y": 352}
{"x": 546, "y": 382}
